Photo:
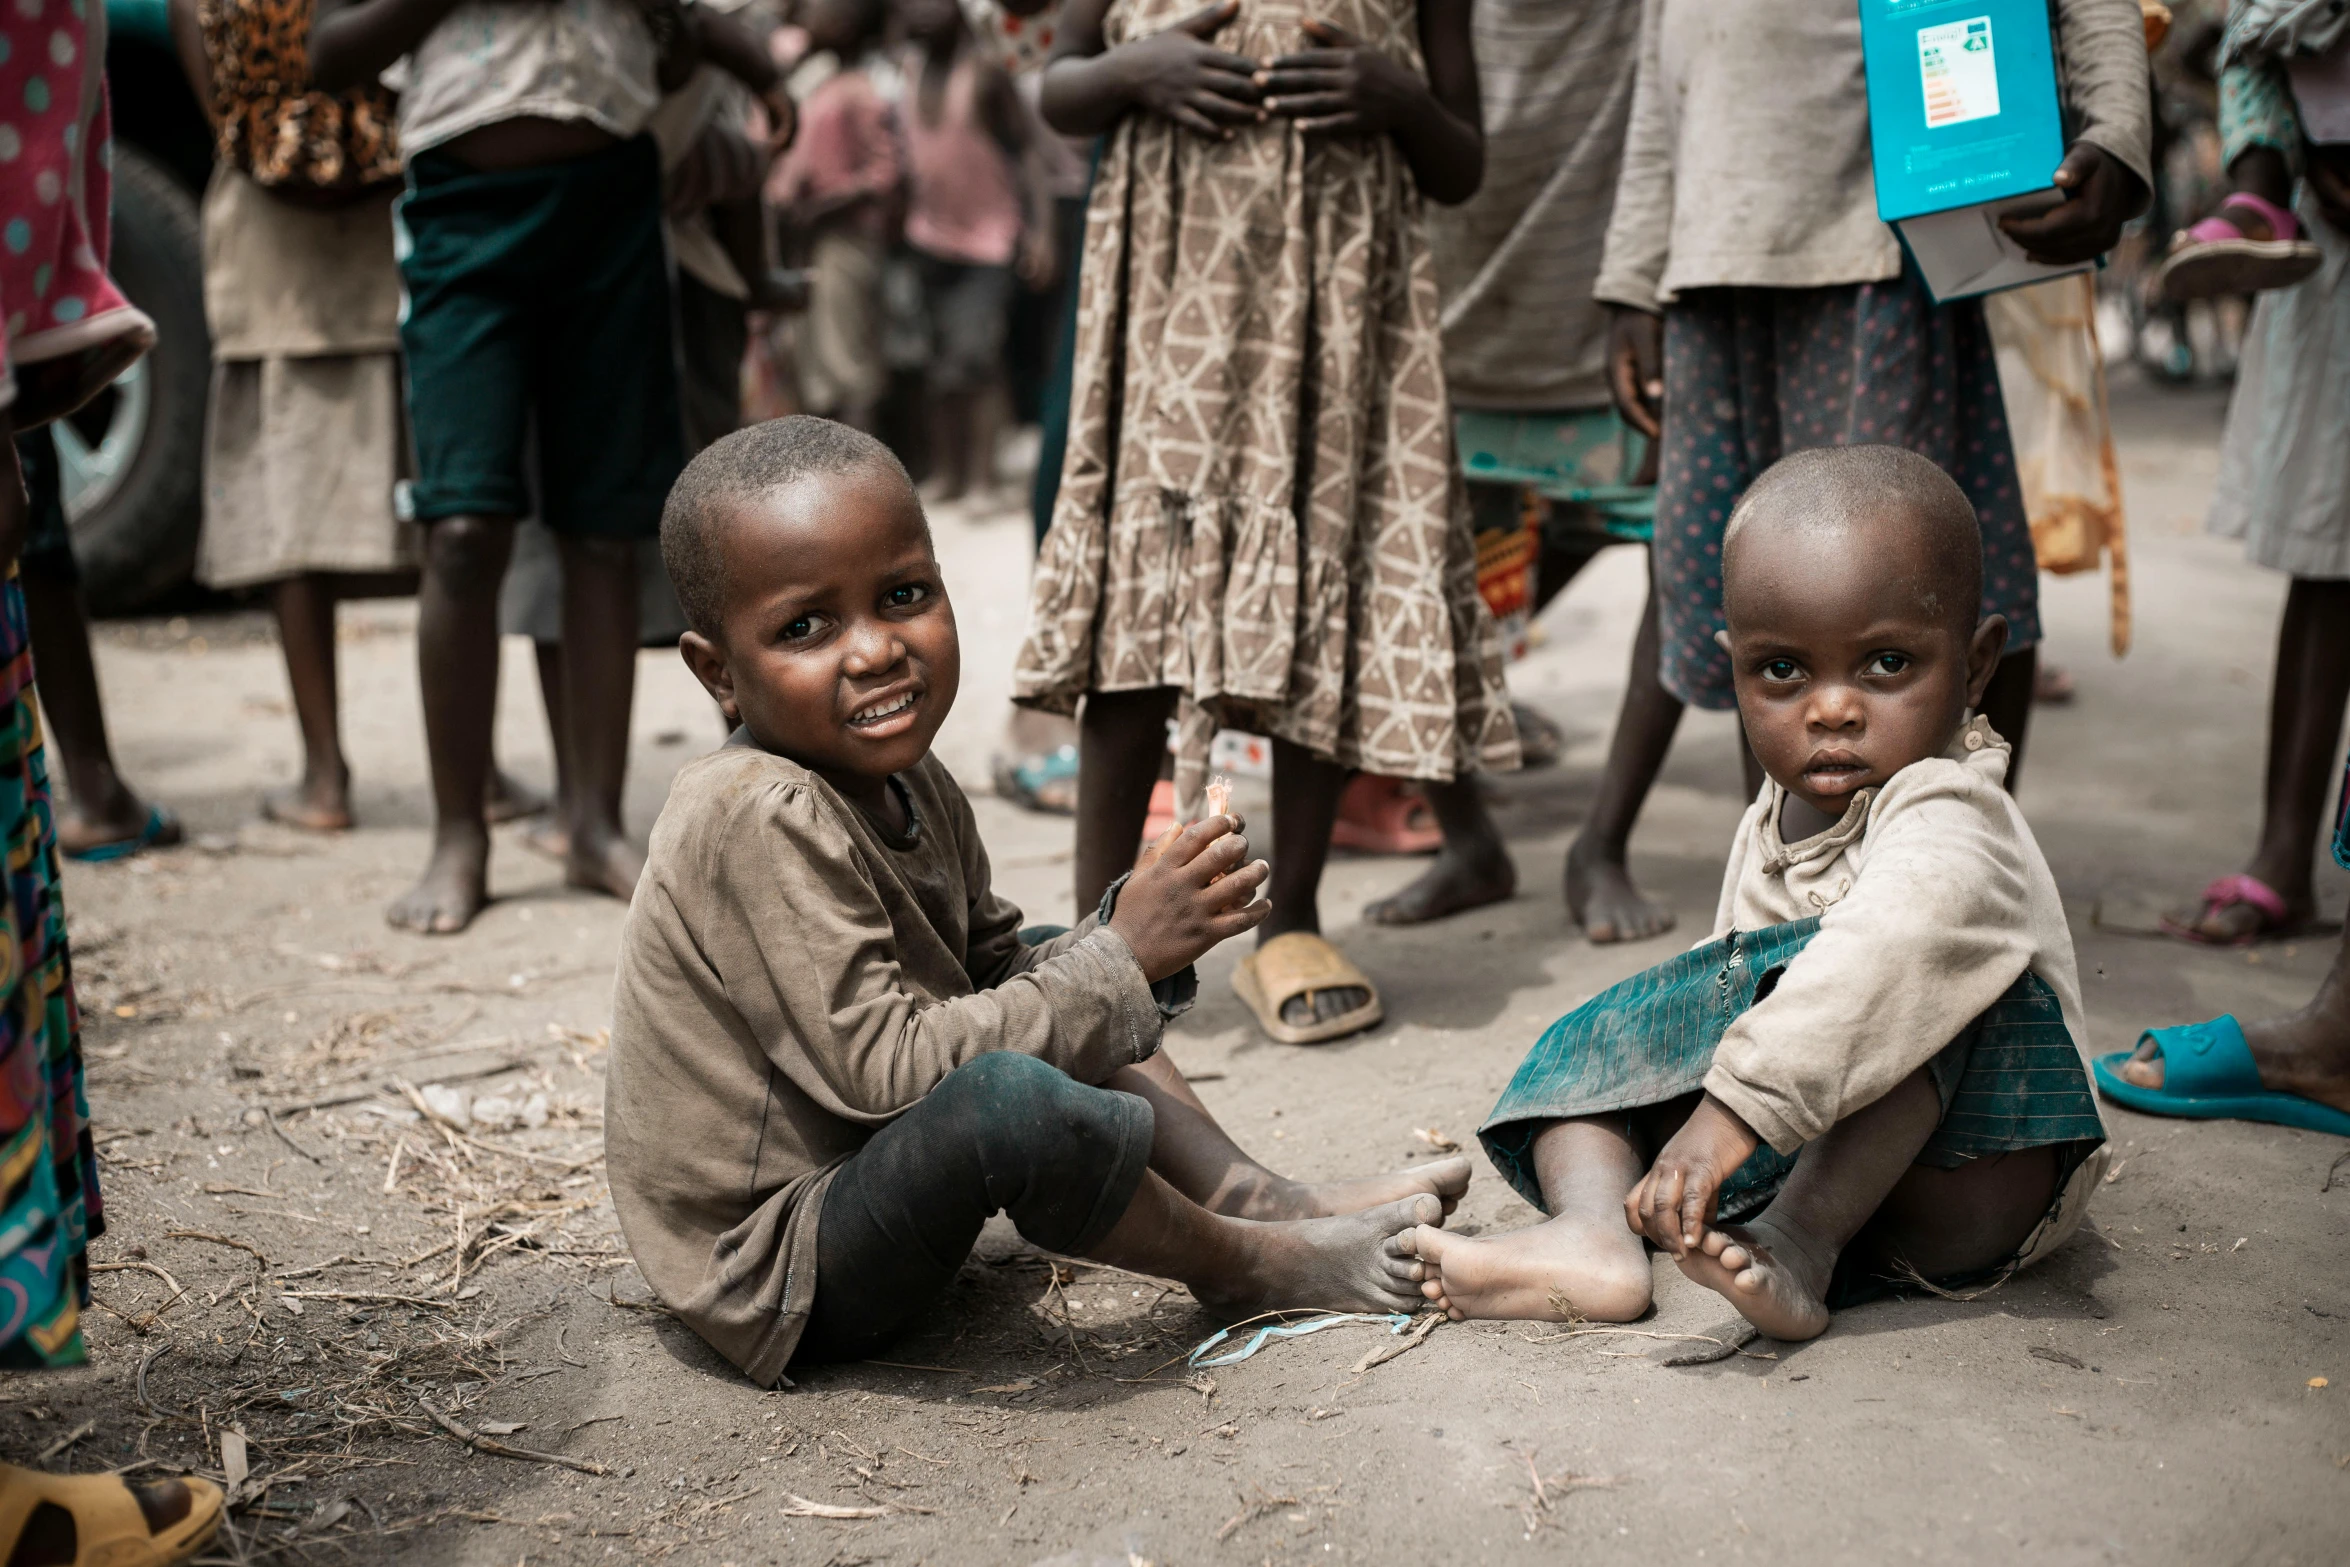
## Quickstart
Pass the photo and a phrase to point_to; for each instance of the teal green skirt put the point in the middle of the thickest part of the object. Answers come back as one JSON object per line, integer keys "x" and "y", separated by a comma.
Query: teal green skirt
{"x": 2012, "y": 1079}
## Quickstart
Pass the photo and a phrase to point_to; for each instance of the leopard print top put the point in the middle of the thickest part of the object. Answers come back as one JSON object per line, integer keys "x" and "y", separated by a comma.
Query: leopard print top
{"x": 268, "y": 120}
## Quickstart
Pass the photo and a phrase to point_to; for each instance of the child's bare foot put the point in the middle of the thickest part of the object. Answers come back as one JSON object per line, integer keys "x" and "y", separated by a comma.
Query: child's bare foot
{"x": 1443, "y": 1179}
{"x": 606, "y": 862}
{"x": 1557, "y": 1270}
{"x": 319, "y": 803}
{"x": 1465, "y": 876}
{"x": 1776, "y": 1281}
{"x": 1601, "y": 897}
{"x": 454, "y": 886}
{"x": 1337, "y": 1264}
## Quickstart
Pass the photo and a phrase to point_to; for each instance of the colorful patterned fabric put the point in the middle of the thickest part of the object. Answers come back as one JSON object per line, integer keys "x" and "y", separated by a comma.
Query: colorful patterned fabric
{"x": 1752, "y": 374}
{"x": 2013, "y": 1079}
{"x": 1260, "y": 505}
{"x": 270, "y": 122}
{"x": 56, "y": 180}
{"x": 2342, "y": 822}
{"x": 2256, "y": 110}
{"x": 49, "y": 1207}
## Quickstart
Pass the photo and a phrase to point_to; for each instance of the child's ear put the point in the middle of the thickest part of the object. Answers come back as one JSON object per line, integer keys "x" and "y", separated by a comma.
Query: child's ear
{"x": 709, "y": 665}
{"x": 1982, "y": 657}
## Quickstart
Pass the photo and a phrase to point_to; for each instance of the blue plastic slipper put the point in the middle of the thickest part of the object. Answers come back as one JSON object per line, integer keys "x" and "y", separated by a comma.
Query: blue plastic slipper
{"x": 161, "y": 829}
{"x": 2208, "y": 1075}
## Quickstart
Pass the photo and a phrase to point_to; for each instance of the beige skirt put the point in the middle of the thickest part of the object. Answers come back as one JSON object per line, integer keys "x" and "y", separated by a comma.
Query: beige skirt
{"x": 300, "y": 462}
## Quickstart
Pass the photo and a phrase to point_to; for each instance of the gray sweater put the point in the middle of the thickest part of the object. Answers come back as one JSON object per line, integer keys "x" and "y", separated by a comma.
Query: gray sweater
{"x": 1747, "y": 162}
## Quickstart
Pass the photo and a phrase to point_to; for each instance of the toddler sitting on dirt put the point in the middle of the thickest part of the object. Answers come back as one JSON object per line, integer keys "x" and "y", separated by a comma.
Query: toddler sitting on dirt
{"x": 1888, "y": 1002}
{"x": 834, "y": 1054}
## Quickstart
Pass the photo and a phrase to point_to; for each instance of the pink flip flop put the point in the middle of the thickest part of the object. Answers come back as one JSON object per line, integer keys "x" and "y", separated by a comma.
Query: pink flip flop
{"x": 2215, "y": 257}
{"x": 2228, "y": 892}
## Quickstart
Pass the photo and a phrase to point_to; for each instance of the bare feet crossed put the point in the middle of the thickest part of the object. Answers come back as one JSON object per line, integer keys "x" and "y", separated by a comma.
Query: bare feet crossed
{"x": 1339, "y": 1264}
{"x": 1556, "y": 1271}
{"x": 1280, "y": 1198}
{"x": 1776, "y": 1281}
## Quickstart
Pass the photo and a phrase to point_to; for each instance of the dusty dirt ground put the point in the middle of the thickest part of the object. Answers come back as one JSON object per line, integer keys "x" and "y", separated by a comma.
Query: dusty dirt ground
{"x": 294, "y": 1257}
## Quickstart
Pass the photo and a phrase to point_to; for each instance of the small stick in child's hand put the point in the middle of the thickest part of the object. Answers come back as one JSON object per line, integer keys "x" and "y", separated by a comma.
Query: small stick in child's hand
{"x": 1218, "y": 802}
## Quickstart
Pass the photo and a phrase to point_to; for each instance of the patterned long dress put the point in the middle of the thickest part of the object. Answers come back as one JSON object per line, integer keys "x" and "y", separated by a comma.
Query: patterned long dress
{"x": 49, "y": 1207}
{"x": 1259, "y": 506}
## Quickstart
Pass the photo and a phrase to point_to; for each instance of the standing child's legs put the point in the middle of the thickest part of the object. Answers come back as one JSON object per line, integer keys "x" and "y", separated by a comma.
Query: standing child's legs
{"x": 2309, "y": 691}
{"x": 1599, "y": 889}
{"x": 598, "y": 689}
{"x": 1305, "y": 806}
{"x": 1121, "y": 739}
{"x": 456, "y": 642}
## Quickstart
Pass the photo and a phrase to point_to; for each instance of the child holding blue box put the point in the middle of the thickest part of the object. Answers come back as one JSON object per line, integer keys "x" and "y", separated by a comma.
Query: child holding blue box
{"x": 1762, "y": 307}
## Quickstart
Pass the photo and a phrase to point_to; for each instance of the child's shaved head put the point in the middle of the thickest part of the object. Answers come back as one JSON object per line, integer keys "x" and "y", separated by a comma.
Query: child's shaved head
{"x": 1897, "y": 507}
{"x": 738, "y": 468}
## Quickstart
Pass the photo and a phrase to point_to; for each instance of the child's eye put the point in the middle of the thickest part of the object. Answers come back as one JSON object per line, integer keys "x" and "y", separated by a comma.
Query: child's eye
{"x": 800, "y": 628}
{"x": 904, "y": 596}
{"x": 1889, "y": 663}
{"x": 1781, "y": 669}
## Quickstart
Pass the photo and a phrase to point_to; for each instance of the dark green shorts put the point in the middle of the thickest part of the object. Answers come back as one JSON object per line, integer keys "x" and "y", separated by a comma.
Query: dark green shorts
{"x": 538, "y": 300}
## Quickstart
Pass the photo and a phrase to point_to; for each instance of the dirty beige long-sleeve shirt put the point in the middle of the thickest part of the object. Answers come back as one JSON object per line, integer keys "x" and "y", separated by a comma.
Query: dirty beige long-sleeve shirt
{"x": 1933, "y": 899}
{"x": 791, "y": 978}
{"x": 1747, "y": 162}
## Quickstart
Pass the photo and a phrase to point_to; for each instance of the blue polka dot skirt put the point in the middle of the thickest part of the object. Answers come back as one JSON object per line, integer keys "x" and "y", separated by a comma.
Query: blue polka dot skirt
{"x": 1752, "y": 374}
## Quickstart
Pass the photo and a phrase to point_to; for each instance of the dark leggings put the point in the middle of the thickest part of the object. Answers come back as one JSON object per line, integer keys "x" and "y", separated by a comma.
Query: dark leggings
{"x": 1005, "y": 1132}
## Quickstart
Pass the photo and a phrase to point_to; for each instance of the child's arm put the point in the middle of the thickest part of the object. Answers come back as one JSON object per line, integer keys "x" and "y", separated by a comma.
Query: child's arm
{"x": 187, "y": 40}
{"x": 1674, "y": 1203}
{"x": 1639, "y": 234}
{"x": 1346, "y": 88}
{"x": 792, "y": 927}
{"x": 1176, "y": 75}
{"x": 728, "y": 45}
{"x": 2105, "y": 174}
{"x": 1015, "y": 130}
{"x": 351, "y": 41}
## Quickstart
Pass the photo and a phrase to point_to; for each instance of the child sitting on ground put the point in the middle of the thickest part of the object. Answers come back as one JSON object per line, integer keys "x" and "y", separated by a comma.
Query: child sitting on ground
{"x": 833, "y": 1054}
{"x": 1889, "y": 999}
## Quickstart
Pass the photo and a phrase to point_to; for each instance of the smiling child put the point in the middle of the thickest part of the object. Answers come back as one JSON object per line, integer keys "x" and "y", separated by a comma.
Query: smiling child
{"x": 834, "y": 1056}
{"x": 1869, "y": 1075}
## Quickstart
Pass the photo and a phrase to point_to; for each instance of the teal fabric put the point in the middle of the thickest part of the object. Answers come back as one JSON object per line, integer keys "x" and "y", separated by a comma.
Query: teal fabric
{"x": 1573, "y": 456}
{"x": 2011, "y": 1079}
{"x": 2342, "y": 822}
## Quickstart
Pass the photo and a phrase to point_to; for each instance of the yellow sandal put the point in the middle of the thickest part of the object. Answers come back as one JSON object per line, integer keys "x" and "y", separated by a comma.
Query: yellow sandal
{"x": 1301, "y": 963}
{"x": 109, "y": 1529}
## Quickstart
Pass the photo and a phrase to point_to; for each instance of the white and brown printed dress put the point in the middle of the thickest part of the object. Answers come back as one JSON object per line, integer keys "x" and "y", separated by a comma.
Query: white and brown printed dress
{"x": 1260, "y": 506}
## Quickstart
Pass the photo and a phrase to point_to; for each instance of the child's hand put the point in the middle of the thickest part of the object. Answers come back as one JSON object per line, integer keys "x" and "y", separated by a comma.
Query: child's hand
{"x": 1193, "y": 894}
{"x": 1345, "y": 88}
{"x": 1674, "y": 1203}
{"x": 2101, "y": 195}
{"x": 1179, "y": 76}
{"x": 1635, "y": 367}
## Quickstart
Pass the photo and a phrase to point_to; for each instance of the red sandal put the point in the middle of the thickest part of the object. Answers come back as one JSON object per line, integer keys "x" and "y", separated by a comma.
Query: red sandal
{"x": 2229, "y": 892}
{"x": 1375, "y": 816}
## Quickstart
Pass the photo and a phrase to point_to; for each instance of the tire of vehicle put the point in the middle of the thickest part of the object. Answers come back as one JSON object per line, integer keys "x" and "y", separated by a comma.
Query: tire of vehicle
{"x": 139, "y": 541}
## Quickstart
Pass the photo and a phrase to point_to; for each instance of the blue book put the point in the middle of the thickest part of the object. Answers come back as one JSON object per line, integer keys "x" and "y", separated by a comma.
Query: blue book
{"x": 1965, "y": 124}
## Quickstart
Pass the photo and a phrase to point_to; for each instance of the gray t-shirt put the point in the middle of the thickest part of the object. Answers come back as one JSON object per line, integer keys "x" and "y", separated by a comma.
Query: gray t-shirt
{"x": 492, "y": 60}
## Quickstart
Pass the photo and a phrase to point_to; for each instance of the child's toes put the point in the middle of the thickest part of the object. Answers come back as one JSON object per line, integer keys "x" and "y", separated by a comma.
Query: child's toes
{"x": 1715, "y": 1244}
